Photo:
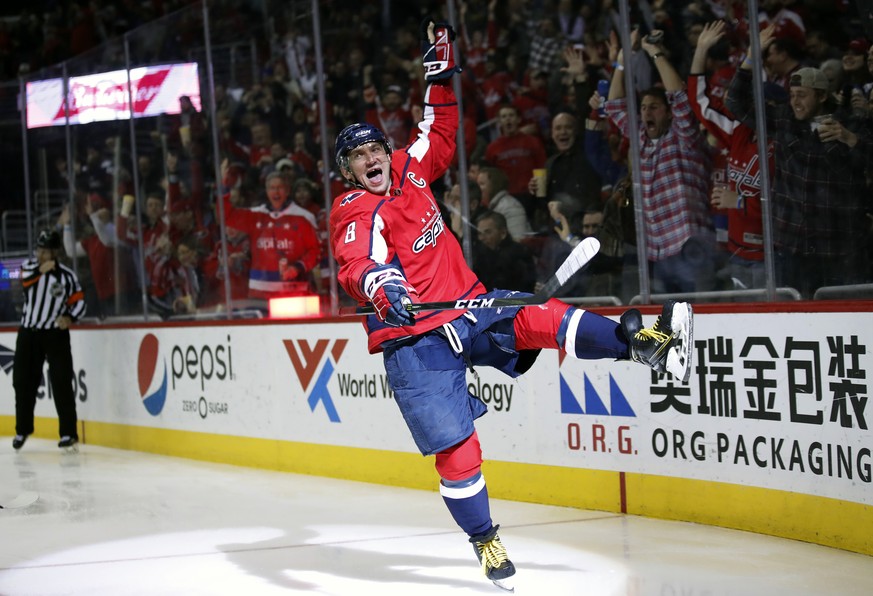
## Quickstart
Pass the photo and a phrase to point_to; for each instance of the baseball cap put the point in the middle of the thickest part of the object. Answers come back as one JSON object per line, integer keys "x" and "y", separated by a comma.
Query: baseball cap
{"x": 284, "y": 163}
{"x": 859, "y": 45}
{"x": 809, "y": 77}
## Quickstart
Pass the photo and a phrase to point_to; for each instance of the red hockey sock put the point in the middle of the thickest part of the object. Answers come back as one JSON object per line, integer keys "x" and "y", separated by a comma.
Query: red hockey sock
{"x": 537, "y": 326}
{"x": 579, "y": 333}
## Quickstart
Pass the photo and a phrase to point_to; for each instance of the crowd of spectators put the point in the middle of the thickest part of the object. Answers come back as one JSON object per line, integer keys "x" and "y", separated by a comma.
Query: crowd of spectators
{"x": 43, "y": 34}
{"x": 531, "y": 101}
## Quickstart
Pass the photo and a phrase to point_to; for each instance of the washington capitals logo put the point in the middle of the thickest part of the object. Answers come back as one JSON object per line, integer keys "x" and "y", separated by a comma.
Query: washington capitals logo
{"x": 419, "y": 182}
{"x": 306, "y": 360}
{"x": 746, "y": 182}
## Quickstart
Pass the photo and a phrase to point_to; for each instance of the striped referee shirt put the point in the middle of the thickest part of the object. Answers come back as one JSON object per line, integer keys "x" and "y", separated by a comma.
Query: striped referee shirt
{"x": 49, "y": 295}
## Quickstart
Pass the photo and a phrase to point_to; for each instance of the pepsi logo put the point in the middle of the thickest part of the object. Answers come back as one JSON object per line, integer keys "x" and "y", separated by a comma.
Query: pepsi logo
{"x": 153, "y": 394}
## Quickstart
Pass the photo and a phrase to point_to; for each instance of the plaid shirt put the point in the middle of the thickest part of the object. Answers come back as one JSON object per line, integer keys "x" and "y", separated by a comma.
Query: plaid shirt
{"x": 545, "y": 53}
{"x": 674, "y": 171}
{"x": 820, "y": 194}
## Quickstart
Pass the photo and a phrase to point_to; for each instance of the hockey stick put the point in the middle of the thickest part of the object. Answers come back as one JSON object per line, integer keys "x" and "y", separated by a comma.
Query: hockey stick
{"x": 575, "y": 262}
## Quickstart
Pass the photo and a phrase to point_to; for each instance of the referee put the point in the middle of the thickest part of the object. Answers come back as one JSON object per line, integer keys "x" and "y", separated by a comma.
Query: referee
{"x": 53, "y": 299}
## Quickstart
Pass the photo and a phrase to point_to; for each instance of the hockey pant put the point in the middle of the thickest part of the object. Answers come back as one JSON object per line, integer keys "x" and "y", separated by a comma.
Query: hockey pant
{"x": 428, "y": 376}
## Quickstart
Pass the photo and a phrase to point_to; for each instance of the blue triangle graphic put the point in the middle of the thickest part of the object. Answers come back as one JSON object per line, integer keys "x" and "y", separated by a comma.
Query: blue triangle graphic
{"x": 593, "y": 403}
{"x": 569, "y": 405}
{"x": 620, "y": 405}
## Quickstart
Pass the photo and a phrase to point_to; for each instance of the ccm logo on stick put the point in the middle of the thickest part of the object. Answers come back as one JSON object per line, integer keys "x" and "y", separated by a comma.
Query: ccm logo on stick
{"x": 474, "y": 303}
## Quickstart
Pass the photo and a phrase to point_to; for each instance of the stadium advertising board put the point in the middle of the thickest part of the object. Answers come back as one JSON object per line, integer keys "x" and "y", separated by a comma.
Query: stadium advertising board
{"x": 104, "y": 96}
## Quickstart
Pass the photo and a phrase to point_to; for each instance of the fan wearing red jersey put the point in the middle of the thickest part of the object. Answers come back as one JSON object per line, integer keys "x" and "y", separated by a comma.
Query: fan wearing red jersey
{"x": 741, "y": 196}
{"x": 284, "y": 241}
{"x": 393, "y": 249}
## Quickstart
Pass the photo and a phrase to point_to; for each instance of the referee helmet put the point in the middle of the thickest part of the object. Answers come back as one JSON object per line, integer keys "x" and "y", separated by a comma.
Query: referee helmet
{"x": 49, "y": 239}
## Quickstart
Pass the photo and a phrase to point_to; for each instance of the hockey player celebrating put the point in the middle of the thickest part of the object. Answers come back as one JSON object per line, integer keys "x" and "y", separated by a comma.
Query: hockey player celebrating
{"x": 393, "y": 250}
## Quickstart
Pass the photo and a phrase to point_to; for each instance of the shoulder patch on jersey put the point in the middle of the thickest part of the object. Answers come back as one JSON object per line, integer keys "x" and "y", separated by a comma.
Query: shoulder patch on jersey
{"x": 419, "y": 182}
{"x": 351, "y": 197}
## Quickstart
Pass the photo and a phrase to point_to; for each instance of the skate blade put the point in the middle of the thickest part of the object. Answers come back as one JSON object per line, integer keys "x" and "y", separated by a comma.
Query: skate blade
{"x": 504, "y": 584}
{"x": 680, "y": 356}
{"x": 71, "y": 450}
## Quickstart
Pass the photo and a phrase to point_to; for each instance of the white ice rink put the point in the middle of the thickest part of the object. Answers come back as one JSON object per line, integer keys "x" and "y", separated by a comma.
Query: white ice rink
{"x": 111, "y": 523}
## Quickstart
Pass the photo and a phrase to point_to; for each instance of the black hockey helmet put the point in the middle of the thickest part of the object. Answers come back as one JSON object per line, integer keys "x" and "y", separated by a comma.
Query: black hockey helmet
{"x": 48, "y": 239}
{"x": 355, "y": 135}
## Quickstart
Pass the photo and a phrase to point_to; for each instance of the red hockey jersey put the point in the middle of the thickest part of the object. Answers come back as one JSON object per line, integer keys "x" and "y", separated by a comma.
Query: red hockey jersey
{"x": 284, "y": 247}
{"x": 405, "y": 228}
{"x": 745, "y": 226}
{"x": 517, "y": 156}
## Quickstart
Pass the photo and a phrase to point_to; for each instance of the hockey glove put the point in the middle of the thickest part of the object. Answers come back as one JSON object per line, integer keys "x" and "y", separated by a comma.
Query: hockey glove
{"x": 389, "y": 292}
{"x": 438, "y": 54}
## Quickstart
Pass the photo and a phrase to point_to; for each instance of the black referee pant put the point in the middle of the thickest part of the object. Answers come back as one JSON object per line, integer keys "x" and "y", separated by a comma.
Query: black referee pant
{"x": 32, "y": 348}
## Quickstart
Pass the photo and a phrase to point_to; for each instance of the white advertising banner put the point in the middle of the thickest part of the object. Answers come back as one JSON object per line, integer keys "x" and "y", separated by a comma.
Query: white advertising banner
{"x": 104, "y": 96}
{"x": 775, "y": 400}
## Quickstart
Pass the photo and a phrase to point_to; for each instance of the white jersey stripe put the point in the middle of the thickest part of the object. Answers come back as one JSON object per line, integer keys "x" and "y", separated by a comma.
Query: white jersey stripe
{"x": 721, "y": 120}
{"x": 378, "y": 246}
{"x": 291, "y": 209}
{"x": 419, "y": 148}
{"x": 572, "y": 329}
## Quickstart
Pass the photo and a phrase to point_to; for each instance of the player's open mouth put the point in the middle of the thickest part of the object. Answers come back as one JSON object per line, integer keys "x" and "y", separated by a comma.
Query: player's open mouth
{"x": 375, "y": 175}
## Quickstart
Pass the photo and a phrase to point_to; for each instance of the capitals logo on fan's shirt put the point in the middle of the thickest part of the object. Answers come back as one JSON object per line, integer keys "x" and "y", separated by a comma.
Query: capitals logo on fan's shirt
{"x": 747, "y": 177}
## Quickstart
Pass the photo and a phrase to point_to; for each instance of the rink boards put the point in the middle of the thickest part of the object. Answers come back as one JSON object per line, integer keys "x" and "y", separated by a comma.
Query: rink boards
{"x": 770, "y": 435}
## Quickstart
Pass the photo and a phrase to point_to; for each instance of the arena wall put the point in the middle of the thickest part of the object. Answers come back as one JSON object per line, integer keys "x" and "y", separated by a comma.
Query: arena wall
{"x": 771, "y": 435}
